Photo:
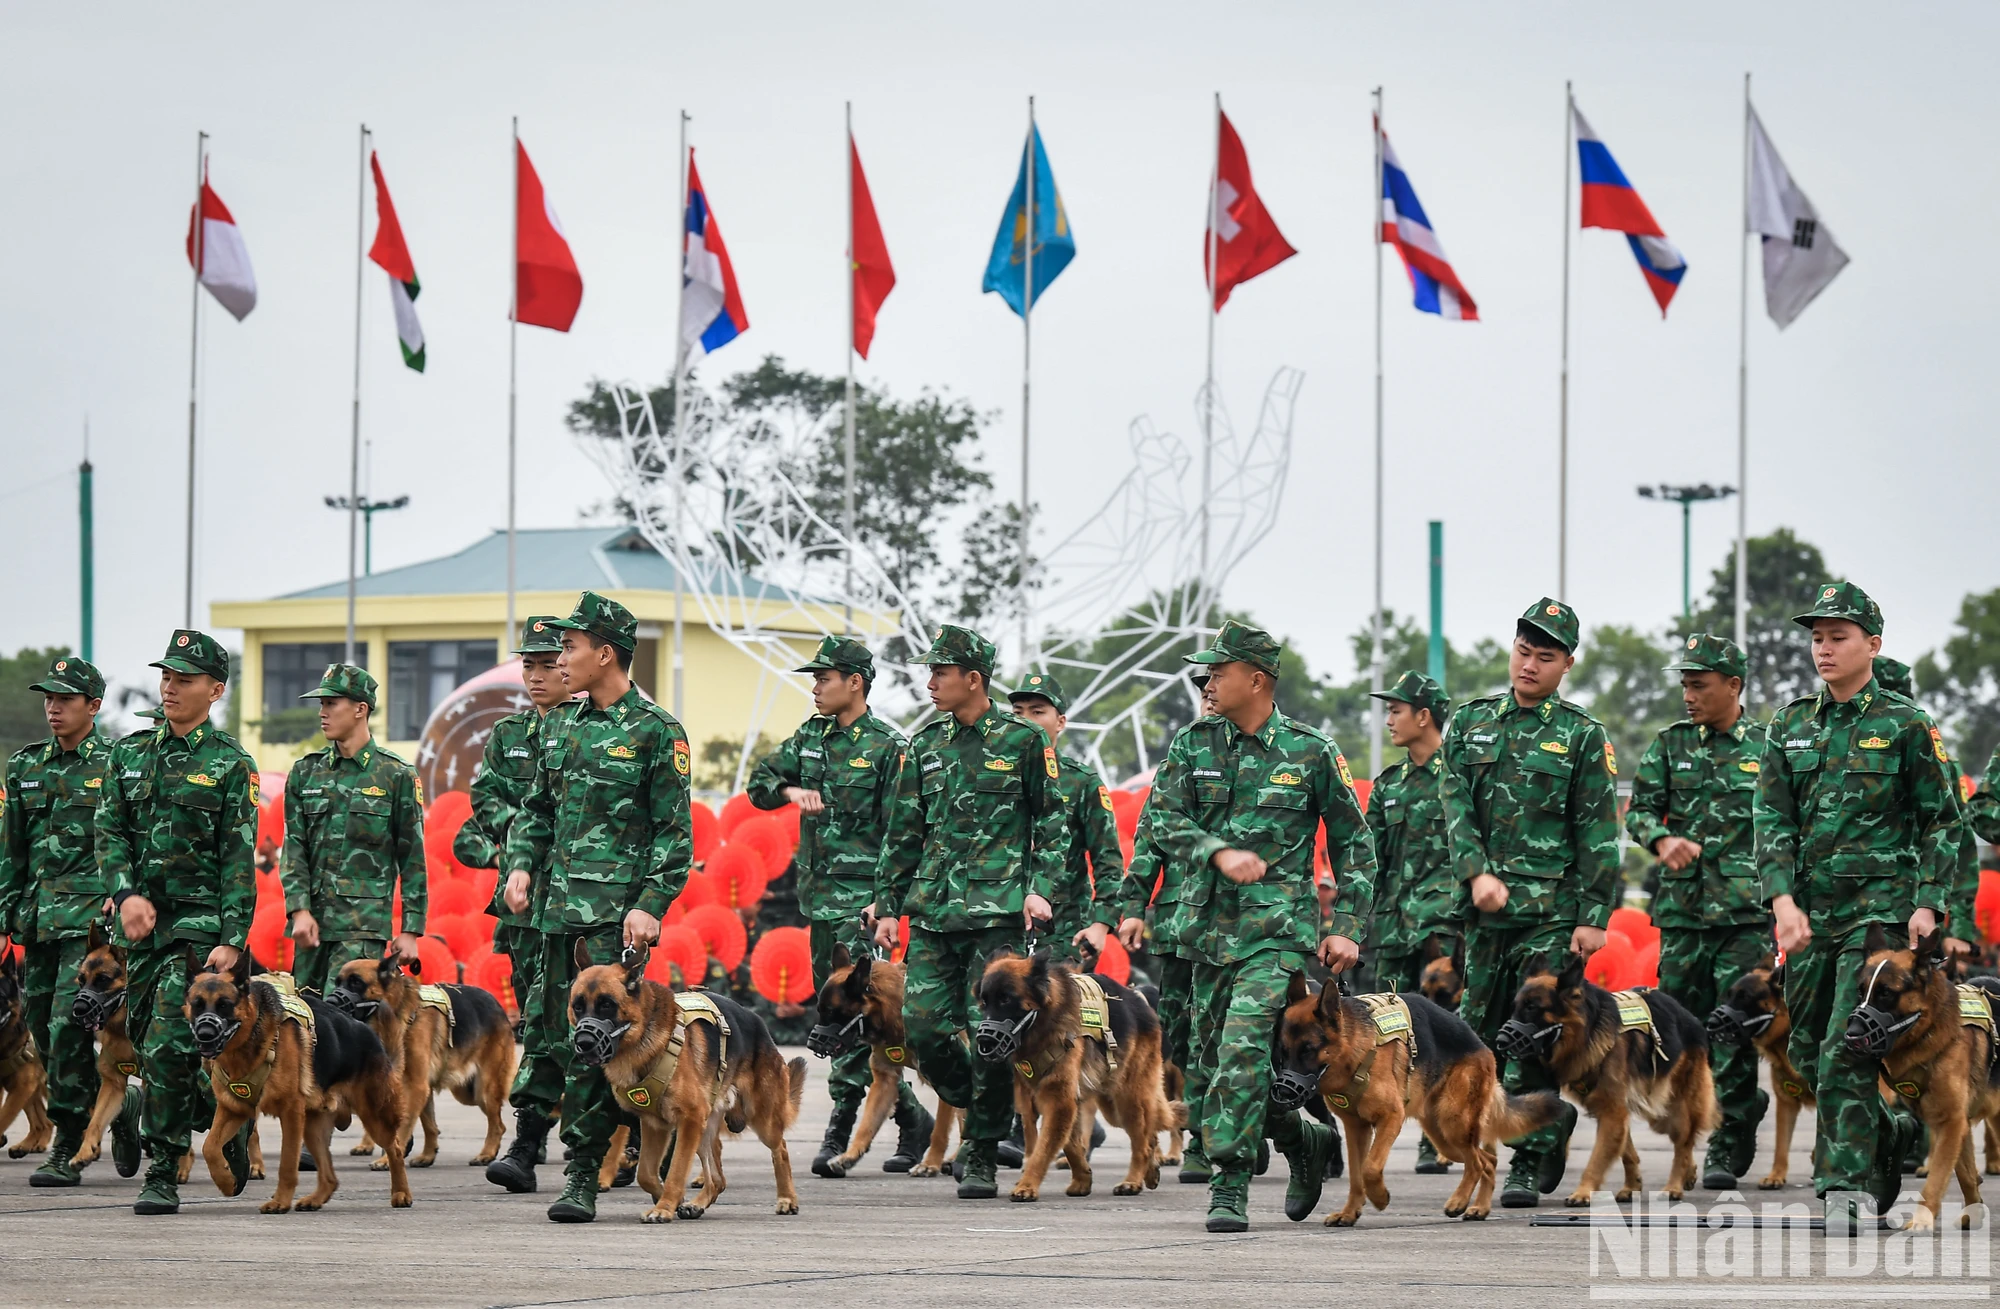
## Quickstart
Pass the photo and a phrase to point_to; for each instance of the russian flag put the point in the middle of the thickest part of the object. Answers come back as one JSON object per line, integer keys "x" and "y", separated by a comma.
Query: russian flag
{"x": 712, "y": 313}
{"x": 1610, "y": 202}
{"x": 1436, "y": 287}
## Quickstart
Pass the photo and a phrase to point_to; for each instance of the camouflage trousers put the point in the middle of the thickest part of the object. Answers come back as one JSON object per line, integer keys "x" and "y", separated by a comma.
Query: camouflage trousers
{"x": 542, "y": 1032}
{"x": 1697, "y": 967}
{"x": 590, "y": 1114}
{"x": 847, "y": 1080}
{"x": 317, "y": 967}
{"x": 1176, "y": 1001}
{"x": 1822, "y": 988}
{"x": 1060, "y": 931}
{"x": 1400, "y": 970}
{"x": 1233, "y": 1011}
{"x": 177, "y": 1095}
{"x": 940, "y": 1009}
{"x": 1497, "y": 959}
{"x": 68, "y": 1051}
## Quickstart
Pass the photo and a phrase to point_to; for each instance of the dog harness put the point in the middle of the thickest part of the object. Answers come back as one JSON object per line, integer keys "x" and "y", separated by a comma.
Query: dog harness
{"x": 291, "y": 1008}
{"x": 432, "y": 996}
{"x": 1391, "y": 1015}
{"x": 1094, "y": 1016}
{"x": 1633, "y": 1016}
{"x": 1975, "y": 1009}
{"x": 689, "y": 1007}
{"x": 27, "y": 1054}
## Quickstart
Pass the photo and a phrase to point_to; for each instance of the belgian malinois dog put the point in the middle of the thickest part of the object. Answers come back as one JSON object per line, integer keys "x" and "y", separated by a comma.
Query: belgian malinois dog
{"x": 1991, "y": 985}
{"x": 1355, "y": 1054}
{"x": 262, "y": 1057}
{"x": 1080, "y": 1044}
{"x": 466, "y": 1049}
{"x": 24, "y": 1081}
{"x": 862, "y": 1000}
{"x": 685, "y": 1078}
{"x": 1443, "y": 978}
{"x": 1617, "y": 1055}
{"x": 1754, "y": 1014}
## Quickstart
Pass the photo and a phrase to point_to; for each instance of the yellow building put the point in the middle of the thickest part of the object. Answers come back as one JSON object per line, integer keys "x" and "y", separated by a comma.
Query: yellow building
{"x": 427, "y": 628}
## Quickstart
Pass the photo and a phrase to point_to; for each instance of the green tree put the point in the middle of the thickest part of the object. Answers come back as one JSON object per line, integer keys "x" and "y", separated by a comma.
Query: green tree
{"x": 21, "y": 719}
{"x": 1785, "y": 574}
{"x": 1961, "y": 682}
{"x": 1619, "y": 677}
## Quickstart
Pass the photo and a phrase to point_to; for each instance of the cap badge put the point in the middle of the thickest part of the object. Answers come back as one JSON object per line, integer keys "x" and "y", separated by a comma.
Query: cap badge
{"x": 1693, "y": 641}
{"x": 180, "y": 640}
{"x": 1826, "y": 594}
{"x": 538, "y": 627}
{"x": 1554, "y": 611}
{"x": 62, "y": 665}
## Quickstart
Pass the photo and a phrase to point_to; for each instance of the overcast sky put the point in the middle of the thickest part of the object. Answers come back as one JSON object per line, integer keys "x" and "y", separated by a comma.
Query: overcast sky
{"x": 1869, "y": 417}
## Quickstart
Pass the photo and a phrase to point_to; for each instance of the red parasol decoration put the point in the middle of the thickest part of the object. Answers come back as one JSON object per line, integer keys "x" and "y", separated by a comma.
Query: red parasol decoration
{"x": 736, "y": 810}
{"x": 768, "y": 835}
{"x": 1114, "y": 962}
{"x": 435, "y": 961}
{"x": 781, "y": 966}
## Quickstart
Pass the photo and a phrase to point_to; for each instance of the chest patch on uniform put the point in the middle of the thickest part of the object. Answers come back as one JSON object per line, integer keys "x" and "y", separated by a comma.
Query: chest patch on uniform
{"x": 1555, "y": 747}
{"x": 373, "y": 790}
{"x": 202, "y": 779}
{"x": 1285, "y": 777}
{"x": 811, "y": 754}
{"x": 1751, "y": 766}
{"x": 93, "y": 784}
{"x": 621, "y": 752}
{"x": 860, "y": 761}
{"x": 1683, "y": 765}
{"x": 999, "y": 765}
{"x": 1483, "y": 738}
{"x": 1874, "y": 743}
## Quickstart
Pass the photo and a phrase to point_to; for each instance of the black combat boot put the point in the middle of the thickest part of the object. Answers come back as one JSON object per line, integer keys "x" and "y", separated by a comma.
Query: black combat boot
{"x": 839, "y": 1127}
{"x": 914, "y": 1126}
{"x": 515, "y": 1170}
{"x": 125, "y": 1132}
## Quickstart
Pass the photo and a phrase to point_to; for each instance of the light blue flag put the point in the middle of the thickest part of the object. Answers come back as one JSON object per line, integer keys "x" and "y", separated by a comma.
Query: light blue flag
{"x": 1055, "y": 243}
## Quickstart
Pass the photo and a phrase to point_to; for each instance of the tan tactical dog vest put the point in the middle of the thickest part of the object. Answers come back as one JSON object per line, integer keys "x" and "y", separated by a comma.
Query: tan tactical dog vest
{"x": 1094, "y": 1015}
{"x": 292, "y": 1009}
{"x": 432, "y": 996}
{"x": 689, "y": 1007}
{"x": 1975, "y": 1009}
{"x": 1391, "y": 1015}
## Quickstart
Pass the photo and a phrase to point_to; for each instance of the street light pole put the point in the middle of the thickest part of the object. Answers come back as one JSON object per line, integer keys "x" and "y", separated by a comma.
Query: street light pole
{"x": 1686, "y": 497}
{"x": 367, "y": 509}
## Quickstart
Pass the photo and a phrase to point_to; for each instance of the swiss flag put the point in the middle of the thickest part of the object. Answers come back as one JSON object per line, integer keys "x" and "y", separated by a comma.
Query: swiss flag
{"x": 874, "y": 277}
{"x": 1244, "y": 237}
{"x": 547, "y": 286}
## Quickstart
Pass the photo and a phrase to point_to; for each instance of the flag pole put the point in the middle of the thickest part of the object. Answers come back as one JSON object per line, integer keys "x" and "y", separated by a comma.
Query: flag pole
{"x": 1027, "y": 360}
{"x": 513, "y": 335}
{"x": 1375, "y": 619}
{"x": 1562, "y": 456}
{"x": 847, "y": 486}
{"x": 194, "y": 366}
{"x": 354, "y": 434}
{"x": 680, "y": 420}
{"x": 1743, "y": 393}
{"x": 1208, "y": 382}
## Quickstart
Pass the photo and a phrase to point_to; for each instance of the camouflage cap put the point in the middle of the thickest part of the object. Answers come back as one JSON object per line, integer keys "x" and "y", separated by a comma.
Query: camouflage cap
{"x": 155, "y": 714}
{"x": 1705, "y": 652}
{"x": 1239, "y": 643}
{"x": 69, "y": 675}
{"x": 1844, "y": 600}
{"x": 1044, "y": 684}
{"x": 962, "y": 647}
{"x": 1555, "y": 618}
{"x": 540, "y": 634}
{"x": 346, "y": 682}
{"x": 839, "y": 654}
{"x": 1894, "y": 675}
{"x": 1419, "y": 692}
{"x": 607, "y": 620}
{"x": 195, "y": 652}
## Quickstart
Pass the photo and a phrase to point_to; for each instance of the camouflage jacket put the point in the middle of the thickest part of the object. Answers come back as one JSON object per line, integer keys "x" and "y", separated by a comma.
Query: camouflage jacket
{"x": 977, "y": 824}
{"x": 1222, "y": 788}
{"x": 352, "y": 828}
{"x": 499, "y": 785}
{"x": 1544, "y": 790}
{"x": 1094, "y": 858}
{"x": 854, "y": 770}
{"x": 1856, "y": 819}
{"x": 50, "y": 886}
{"x": 1426, "y": 850}
{"x": 178, "y": 825}
{"x": 1982, "y": 810}
{"x": 607, "y": 813}
{"x": 1701, "y": 784}
{"x": 1962, "y": 903}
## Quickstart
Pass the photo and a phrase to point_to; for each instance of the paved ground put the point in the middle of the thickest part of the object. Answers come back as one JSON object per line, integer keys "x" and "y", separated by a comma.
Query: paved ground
{"x": 872, "y": 1239}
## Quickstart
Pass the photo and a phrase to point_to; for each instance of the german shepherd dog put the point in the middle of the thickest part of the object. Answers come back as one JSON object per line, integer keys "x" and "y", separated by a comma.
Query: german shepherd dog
{"x": 1328, "y": 1046}
{"x": 1443, "y": 978}
{"x": 1033, "y": 1018}
{"x": 470, "y": 1053}
{"x": 99, "y": 1009}
{"x": 862, "y": 1000}
{"x": 1910, "y": 1019}
{"x": 24, "y": 1082}
{"x": 1754, "y": 1014}
{"x": 260, "y": 1060}
{"x": 628, "y": 1026}
{"x": 1991, "y": 985}
{"x": 1173, "y": 1081}
{"x": 1657, "y": 1069}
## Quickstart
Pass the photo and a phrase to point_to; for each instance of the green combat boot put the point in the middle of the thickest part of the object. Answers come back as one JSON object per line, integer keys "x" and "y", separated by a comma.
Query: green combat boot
{"x": 1521, "y": 1190}
{"x": 57, "y": 1170}
{"x": 236, "y": 1153}
{"x": 1194, "y": 1162}
{"x": 578, "y": 1201}
{"x": 839, "y": 1127}
{"x": 978, "y": 1163}
{"x": 1716, "y": 1171}
{"x": 161, "y": 1194}
{"x": 1555, "y": 1159}
{"x": 914, "y": 1126}
{"x": 1307, "y": 1146}
{"x": 1427, "y": 1157}
{"x": 1229, "y": 1202}
{"x": 125, "y": 1132}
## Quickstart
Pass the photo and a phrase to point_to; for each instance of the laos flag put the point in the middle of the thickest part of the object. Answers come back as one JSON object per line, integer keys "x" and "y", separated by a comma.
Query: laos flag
{"x": 712, "y": 313}
{"x": 1610, "y": 202}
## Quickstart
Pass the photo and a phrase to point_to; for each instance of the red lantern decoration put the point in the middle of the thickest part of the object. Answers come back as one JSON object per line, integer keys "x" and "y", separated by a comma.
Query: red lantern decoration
{"x": 466, "y": 934}
{"x": 269, "y": 945}
{"x": 1362, "y": 787}
{"x": 1611, "y": 966}
{"x": 781, "y": 966}
{"x": 1635, "y": 924}
{"x": 447, "y": 813}
{"x": 1113, "y": 962}
{"x": 736, "y": 810}
{"x": 737, "y": 875}
{"x": 769, "y": 837}
{"x": 494, "y": 974}
{"x": 1645, "y": 969}
{"x": 698, "y": 891}
{"x": 707, "y": 830}
{"x": 722, "y": 933}
{"x": 435, "y": 961}
{"x": 681, "y": 946}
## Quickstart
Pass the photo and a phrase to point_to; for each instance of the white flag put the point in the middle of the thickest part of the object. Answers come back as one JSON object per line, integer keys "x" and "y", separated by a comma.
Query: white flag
{"x": 1800, "y": 254}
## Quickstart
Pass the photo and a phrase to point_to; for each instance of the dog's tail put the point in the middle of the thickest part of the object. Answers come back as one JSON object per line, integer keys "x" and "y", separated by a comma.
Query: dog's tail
{"x": 1508, "y": 1116}
{"x": 797, "y": 1068}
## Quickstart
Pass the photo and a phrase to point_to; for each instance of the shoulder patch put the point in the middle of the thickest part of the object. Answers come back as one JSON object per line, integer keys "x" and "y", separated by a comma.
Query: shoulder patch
{"x": 1611, "y": 759}
{"x": 1346, "y": 777}
{"x": 682, "y": 760}
{"x": 1104, "y": 798}
{"x": 1049, "y": 763}
{"x": 1937, "y": 745}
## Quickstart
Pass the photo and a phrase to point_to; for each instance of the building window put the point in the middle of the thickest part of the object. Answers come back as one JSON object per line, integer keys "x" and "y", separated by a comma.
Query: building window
{"x": 423, "y": 673}
{"x": 292, "y": 669}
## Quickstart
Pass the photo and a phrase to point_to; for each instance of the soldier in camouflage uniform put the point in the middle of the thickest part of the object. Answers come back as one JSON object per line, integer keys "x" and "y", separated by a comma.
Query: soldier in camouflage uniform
{"x": 1857, "y": 824}
{"x": 1961, "y": 931}
{"x": 1237, "y": 804}
{"x": 839, "y": 768}
{"x": 354, "y": 826}
{"x": 975, "y": 850}
{"x": 1426, "y": 851}
{"x": 1094, "y": 855}
{"x": 176, "y": 843}
{"x": 506, "y": 769}
{"x": 50, "y": 893}
{"x": 1543, "y": 783}
{"x": 607, "y": 821}
{"x": 1691, "y": 803}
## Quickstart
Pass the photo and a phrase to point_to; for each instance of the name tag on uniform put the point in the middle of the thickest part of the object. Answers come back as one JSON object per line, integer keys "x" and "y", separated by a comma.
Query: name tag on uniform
{"x": 811, "y": 754}
{"x": 520, "y": 752}
{"x": 1483, "y": 738}
{"x": 1207, "y": 772}
{"x": 30, "y": 786}
{"x": 1683, "y": 766}
{"x": 1798, "y": 745}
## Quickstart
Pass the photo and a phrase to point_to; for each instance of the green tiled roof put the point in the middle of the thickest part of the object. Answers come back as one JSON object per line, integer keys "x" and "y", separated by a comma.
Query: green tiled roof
{"x": 546, "y": 559}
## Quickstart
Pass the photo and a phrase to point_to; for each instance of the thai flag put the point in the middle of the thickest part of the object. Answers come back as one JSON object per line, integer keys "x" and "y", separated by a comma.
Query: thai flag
{"x": 1436, "y": 287}
{"x": 712, "y": 313}
{"x": 1610, "y": 202}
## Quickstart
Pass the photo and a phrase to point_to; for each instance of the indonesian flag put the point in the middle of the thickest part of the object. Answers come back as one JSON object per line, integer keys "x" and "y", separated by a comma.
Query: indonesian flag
{"x": 224, "y": 264}
{"x": 1243, "y": 236}
{"x": 392, "y": 254}
{"x": 873, "y": 275}
{"x": 547, "y": 286}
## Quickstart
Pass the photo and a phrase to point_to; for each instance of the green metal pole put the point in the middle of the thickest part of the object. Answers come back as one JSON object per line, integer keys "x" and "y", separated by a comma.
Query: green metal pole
{"x": 88, "y": 579}
{"x": 368, "y": 538}
{"x": 1437, "y": 602}
{"x": 1687, "y": 603}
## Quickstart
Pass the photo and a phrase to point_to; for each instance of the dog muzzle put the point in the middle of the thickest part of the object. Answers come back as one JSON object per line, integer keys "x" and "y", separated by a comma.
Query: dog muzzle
{"x": 354, "y": 1006}
{"x": 93, "y": 1009}
{"x": 1292, "y": 1089}
{"x": 1519, "y": 1040}
{"x": 212, "y": 1032}
{"x": 826, "y": 1041}
{"x": 1871, "y": 1032}
{"x": 998, "y": 1042}
{"x": 596, "y": 1040}
{"x": 1728, "y": 1025}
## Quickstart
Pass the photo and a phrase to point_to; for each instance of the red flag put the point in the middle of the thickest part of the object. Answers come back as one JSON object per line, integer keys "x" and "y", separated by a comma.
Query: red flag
{"x": 873, "y": 276}
{"x": 547, "y": 286}
{"x": 1245, "y": 239}
{"x": 390, "y": 252}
